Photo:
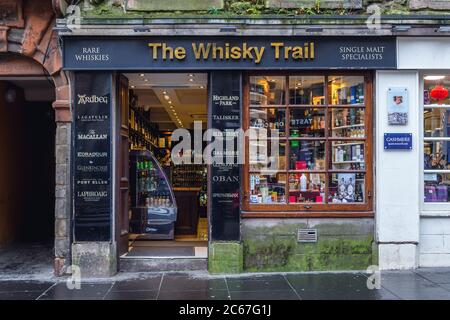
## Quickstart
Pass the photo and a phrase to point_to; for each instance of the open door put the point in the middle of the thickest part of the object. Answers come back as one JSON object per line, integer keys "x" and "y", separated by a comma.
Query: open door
{"x": 122, "y": 168}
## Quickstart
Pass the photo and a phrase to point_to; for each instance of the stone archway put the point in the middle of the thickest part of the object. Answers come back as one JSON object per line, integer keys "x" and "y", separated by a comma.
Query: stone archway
{"x": 27, "y": 30}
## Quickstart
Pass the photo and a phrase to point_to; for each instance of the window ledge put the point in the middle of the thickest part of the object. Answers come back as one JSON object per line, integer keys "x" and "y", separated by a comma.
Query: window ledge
{"x": 435, "y": 213}
{"x": 323, "y": 214}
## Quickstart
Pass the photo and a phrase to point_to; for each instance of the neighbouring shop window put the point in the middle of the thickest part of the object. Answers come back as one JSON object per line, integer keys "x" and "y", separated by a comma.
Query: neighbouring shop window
{"x": 436, "y": 144}
{"x": 324, "y": 142}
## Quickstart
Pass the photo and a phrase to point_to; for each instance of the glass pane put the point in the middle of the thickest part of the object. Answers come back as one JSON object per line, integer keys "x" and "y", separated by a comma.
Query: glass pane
{"x": 347, "y": 155}
{"x": 267, "y": 188}
{"x": 347, "y": 122}
{"x": 271, "y": 118}
{"x": 266, "y": 90}
{"x": 346, "y": 90}
{"x": 267, "y": 155}
{"x": 307, "y": 122}
{"x": 436, "y": 154}
{"x": 307, "y": 155}
{"x": 437, "y": 122}
{"x": 437, "y": 187}
{"x": 307, "y": 90}
{"x": 306, "y": 188}
{"x": 346, "y": 188}
{"x": 436, "y": 89}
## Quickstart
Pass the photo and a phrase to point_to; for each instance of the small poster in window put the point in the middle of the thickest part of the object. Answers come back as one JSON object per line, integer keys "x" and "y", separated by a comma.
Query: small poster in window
{"x": 398, "y": 105}
{"x": 346, "y": 187}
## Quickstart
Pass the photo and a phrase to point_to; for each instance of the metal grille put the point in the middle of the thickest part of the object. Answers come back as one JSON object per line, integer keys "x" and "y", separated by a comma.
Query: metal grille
{"x": 307, "y": 235}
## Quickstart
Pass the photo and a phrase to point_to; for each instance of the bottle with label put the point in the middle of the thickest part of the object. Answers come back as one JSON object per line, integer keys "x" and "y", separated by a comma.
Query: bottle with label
{"x": 341, "y": 155}
{"x": 303, "y": 182}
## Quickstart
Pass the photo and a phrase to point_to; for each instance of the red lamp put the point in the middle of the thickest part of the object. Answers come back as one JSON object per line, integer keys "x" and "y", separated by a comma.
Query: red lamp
{"x": 439, "y": 93}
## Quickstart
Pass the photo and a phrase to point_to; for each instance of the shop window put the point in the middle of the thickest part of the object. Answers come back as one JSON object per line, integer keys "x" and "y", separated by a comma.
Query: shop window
{"x": 320, "y": 125}
{"x": 436, "y": 140}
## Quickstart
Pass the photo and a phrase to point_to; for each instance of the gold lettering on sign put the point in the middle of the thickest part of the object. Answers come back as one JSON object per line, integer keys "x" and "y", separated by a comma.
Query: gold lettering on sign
{"x": 245, "y": 51}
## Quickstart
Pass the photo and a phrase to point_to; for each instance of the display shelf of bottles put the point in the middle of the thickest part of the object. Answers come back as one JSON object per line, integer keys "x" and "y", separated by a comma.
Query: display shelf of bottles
{"x": 349, "y": 126}
{"x": 149, "y": 190}
{"x": 257, "y": 95}
{"x": 143, "y": 133}
{"x": 348, "y": 144}
{"x": 189, "y": 176}
{"x": 348, "y": 161}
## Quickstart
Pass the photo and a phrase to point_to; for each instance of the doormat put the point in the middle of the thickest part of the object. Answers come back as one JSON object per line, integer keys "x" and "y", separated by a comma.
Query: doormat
{"x": 163, "y": 251}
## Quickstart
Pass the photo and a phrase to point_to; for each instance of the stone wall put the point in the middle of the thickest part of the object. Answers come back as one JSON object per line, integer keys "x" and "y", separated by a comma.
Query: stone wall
{"x": 148, "y": 8}
{"x": 62, "y": 196}
{"x": 343, "y": 244}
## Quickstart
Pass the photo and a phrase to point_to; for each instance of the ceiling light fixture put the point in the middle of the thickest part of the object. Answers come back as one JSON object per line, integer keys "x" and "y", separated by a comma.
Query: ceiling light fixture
{"x": 141, "y": 74}
{"x": 434, "y": 78}
{"x": 132, "y": 87}
{"x": 191, "y": 80}
{"x": 191, "y": 75}
{"x": 166, "y": 97}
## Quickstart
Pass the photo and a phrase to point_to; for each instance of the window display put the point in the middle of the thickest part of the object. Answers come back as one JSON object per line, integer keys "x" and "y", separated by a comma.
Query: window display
{"x": 325, "y": 141}
{"x": 436, "y": 144}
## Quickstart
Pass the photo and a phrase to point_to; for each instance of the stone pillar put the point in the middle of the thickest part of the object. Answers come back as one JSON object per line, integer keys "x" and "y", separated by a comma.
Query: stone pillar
{"x": 397, "y": 177}
{"x": 62, "y": 197}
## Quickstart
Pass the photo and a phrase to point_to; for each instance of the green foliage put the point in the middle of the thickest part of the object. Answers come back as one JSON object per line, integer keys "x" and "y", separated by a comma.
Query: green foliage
{"x": 214, "y": 11}
{"x": 268, "y": 253}
{"x": 275, "y": 253}
{"x": 249, "y": 7}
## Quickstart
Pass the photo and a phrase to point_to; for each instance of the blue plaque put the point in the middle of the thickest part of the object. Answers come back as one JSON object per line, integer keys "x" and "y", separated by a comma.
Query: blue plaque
{"x": 397, "y": 141}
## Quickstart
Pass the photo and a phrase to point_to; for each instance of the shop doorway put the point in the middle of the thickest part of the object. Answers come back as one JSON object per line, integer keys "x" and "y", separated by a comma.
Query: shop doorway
{"x": 27, "y": 172}
{"x": 165, "y": 214}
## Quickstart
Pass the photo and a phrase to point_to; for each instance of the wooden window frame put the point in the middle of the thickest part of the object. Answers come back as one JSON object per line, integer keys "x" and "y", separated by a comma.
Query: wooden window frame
{"x": 353, "y": 210}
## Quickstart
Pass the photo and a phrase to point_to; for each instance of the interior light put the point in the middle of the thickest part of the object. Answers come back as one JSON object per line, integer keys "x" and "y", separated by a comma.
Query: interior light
{"x": 166, "y": 97}
{"x": 433, "y": 78}
{"x": 132, "y": 87}
{"x": 164, "y": 92}
{"x": 202, "y": 87}
{"x": 142, "y": 74}
{"x": 191, "y": 80}
{"x": 191, "y": 75}
{"x": 146, "y": 80}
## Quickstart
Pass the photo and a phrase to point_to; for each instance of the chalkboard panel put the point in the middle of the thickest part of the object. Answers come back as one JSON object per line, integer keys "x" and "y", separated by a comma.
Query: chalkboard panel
{"x": 92, "y": 157}
{"x": 225, "y": 103}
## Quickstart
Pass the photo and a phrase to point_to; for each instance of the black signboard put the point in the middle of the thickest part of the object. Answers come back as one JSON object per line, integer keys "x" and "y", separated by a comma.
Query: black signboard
{"x": 231, "y": 53}
{"x": 225, "y": 104}
{"x": 92, "y": 156}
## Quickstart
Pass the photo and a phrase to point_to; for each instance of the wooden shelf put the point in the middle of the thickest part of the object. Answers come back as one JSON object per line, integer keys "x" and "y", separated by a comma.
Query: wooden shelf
{"x": 348, "y": 127}
{"x": 346, "y": 162}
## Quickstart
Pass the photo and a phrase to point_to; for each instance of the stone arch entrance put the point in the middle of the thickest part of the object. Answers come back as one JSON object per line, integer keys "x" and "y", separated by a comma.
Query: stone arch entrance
{"x": 28, "y": 47}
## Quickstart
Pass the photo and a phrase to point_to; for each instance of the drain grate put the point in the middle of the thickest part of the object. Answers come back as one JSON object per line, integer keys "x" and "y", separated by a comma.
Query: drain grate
{"x": 307, "y": 235}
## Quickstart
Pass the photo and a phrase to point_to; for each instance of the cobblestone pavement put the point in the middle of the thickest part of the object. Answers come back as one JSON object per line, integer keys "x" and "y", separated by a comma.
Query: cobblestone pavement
{"x": 433, "y": 283}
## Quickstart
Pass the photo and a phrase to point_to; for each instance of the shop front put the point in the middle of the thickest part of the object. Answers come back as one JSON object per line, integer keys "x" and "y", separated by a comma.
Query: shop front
{"x": 267, "y": 143}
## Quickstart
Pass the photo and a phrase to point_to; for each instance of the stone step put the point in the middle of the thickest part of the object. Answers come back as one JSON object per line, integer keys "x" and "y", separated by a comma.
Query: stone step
{"x": 132, "y": 264}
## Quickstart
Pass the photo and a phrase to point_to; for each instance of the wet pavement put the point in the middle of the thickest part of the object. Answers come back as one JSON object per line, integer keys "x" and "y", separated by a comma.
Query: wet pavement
{"x": 417, "y": 284}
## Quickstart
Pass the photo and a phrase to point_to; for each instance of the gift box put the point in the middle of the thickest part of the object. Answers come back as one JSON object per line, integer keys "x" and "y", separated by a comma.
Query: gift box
{"x": 300, "y": 165}
{"x": 441, "y": 193}
{"x": 430, "y": 194}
